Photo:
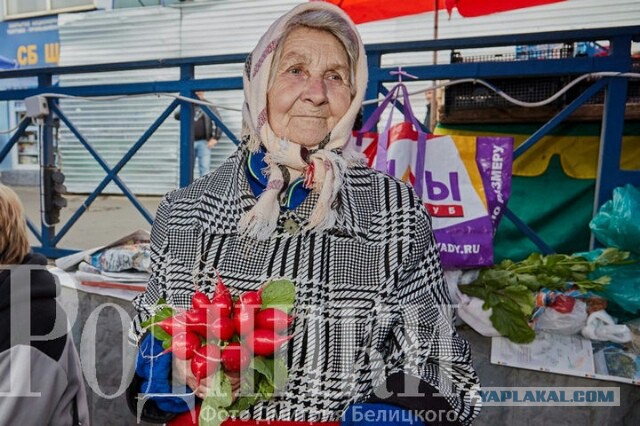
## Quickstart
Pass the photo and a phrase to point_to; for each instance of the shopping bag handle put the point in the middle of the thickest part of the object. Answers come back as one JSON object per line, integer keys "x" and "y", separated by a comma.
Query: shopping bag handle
{"x": 408, "y": 111}
{"x": 381, "y": 162}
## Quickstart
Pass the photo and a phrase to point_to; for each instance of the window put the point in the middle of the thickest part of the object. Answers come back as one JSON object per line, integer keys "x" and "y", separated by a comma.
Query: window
{"x": 66, "y": 4}
{"x": 118, "y": 4}
{"x": 27, "y": 8}
{"x": 15, "y": 7}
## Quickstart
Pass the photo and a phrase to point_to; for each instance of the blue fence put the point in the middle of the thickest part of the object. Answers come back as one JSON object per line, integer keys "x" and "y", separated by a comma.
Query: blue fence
{"x": 609, "y": 175}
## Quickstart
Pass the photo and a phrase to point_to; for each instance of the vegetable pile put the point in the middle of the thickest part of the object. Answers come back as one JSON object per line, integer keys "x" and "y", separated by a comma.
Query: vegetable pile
{"x": 221, "y": 335}
{"x": 509, "y": 288}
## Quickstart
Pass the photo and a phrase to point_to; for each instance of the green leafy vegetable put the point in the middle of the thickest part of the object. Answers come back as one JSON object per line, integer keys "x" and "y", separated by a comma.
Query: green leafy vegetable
{"x": 242, "y": 403}
{"x": 274, "y": 370}
{"x": 163, "y": 312}
{"x": 214, "y": 407}
{"x": 510, "y": 322}
{"x": 279, "y": 294}
{"x": 264, "y": 377}
{"x": 265, "y": 388}
{"x": 508, "y": 288}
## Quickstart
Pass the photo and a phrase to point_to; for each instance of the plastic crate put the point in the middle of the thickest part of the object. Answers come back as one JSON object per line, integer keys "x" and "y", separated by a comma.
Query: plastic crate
{"x": 533, "y": 89}
{"x": 633, "y": 89}
{"x": 522, "y": 53}
{"x": 477, "y": 96}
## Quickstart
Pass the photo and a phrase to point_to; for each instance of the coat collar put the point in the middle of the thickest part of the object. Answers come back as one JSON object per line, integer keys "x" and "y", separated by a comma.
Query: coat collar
{"x": 356, "y": 197}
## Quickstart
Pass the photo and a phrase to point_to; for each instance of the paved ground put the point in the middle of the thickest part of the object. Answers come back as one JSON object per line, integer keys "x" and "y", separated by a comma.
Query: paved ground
{"x": 108, "y": 218}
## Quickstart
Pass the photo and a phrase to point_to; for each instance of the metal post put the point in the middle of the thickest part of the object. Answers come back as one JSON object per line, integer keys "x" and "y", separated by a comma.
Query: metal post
{"x": 186, "y": 127}
{"x": 609, "y": 174}
{"x": 47, "y": 159}
{"x": 375, "y": 85}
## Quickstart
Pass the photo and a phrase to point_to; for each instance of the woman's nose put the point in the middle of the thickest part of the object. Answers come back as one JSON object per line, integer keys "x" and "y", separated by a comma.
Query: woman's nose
{"x": 315, "y": 90}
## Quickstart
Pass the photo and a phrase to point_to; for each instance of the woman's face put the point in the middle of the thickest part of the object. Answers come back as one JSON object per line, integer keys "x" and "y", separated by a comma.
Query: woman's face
{"x": 311, "y": 91}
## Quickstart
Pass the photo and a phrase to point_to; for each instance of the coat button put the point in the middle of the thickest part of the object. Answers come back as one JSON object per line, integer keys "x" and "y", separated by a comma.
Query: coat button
{"x": 291, "y": 226}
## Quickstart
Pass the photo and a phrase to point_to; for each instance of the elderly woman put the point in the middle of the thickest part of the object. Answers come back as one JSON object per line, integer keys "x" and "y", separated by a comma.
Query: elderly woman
{"x": 42, "y": 353}
{"x": 373, "y": 327}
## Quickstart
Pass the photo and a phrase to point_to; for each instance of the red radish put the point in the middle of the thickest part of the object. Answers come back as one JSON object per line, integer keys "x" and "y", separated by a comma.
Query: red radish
{"x": 205, "y": 361}
{"x": 167, "y": 325}
{"x": 251, "y": 298}
{"x": 235, "y": 357}
{"x": 221, "y": 289}
{"x": 222, "y": 328}
{"x": 196, "y": 316}
{"x": 266, "y": 342}
{"x": 197, "y": 321}
{"x": 199, "y": 300}
{"x": 222, "y": 303}
{"x": 221, "y": 306}
{"x": 244, "y": 319}
{"x": 273, "y": 319}
{"x": 563, "y": 304}
{"x": 183, "y": 345}
{"x": 174, "y": 324}
{"x": 244, "y": 311}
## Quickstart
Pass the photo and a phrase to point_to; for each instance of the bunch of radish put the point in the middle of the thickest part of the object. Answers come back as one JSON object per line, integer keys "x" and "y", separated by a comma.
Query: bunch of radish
{"x": 224, "y": 333}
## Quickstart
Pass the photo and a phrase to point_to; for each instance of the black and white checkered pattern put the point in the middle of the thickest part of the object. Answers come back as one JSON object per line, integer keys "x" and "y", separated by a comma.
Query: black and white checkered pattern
{"x": 370, "y": 296}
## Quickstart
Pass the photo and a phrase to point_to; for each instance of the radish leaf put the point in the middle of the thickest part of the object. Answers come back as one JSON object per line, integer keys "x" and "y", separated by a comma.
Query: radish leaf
{"x": 279, "y": 294}
{"x": 220, "y": 394}
{"x": 265, "y": 388}
{"x": 259, "y": 364}
{"x": 507, "y": 318}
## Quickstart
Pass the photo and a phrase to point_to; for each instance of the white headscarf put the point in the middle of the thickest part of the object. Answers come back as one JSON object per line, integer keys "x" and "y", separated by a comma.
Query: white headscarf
{"x": 325, "y": 167}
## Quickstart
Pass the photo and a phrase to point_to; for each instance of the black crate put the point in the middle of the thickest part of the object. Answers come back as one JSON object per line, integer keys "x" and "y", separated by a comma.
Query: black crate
{"x": 477, "y": 96}
{"x": 633, "y": 89}
{"x": 565, "y": 51}
{"x": 469, "y": 96}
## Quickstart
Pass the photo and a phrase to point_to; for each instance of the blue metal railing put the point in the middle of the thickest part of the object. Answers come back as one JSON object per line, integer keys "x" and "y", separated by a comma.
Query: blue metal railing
{"x": 609, "y": 174}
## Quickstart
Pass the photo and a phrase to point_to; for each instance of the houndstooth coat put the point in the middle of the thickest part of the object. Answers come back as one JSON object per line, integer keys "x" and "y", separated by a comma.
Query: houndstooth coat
{"x": 372, "y": 307}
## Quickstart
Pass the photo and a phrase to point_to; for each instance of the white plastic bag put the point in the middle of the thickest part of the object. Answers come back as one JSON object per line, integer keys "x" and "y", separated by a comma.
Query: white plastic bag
{"x": 566, "y": 324}
{"x": 470, "y": 311}
{"x": 600, "y": 326}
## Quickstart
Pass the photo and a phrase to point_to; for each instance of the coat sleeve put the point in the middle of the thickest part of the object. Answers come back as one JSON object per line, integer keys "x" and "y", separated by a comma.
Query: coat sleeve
{"x": 156, "y": 287}
{"x": 429, "y": 365}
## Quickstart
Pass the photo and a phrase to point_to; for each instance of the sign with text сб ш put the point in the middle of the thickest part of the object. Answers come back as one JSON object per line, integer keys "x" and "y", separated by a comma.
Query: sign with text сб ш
{"x": 28, "y": 43}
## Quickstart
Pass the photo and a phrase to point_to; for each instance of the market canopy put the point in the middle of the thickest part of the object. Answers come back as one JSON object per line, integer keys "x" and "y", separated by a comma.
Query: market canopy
{"x": 471, "y": 8}
{"x": 375, "y": 10}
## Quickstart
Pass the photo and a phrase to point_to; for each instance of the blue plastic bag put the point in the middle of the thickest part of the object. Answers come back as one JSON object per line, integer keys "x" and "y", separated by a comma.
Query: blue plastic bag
{"x": 624, "y": 288}
{"x": 617, "y": 224}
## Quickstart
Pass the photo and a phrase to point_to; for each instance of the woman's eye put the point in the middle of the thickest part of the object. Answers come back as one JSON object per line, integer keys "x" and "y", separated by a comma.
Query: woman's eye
{"x": 335, "y": 77}
{"x": 294, "y": 70}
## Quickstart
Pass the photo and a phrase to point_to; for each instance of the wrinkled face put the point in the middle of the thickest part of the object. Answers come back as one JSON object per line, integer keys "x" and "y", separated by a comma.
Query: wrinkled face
{"x": 311, "y": 91}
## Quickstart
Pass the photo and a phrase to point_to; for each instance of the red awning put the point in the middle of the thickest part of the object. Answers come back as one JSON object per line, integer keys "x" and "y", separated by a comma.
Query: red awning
{"x": 375, "y": 10}
{"x": 470, "y": 8}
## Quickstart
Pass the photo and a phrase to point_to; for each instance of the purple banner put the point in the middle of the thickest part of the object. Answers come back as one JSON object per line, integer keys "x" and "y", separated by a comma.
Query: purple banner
{"x": 466, "y": 245}
{"x": 470, "y": 244}
{"x": 494, "y": 156}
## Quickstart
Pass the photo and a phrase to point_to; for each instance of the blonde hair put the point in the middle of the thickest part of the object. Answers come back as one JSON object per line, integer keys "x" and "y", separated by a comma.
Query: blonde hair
{"x": 14, "y": 240}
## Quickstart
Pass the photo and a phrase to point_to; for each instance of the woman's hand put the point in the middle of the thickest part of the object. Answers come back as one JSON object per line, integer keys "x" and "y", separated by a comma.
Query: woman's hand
{"x": 183, "y": 374}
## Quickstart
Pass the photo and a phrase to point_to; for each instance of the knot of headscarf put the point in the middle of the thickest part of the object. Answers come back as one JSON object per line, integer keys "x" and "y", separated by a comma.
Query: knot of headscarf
{"x": 323, "y": 168}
